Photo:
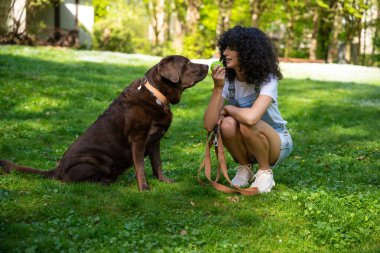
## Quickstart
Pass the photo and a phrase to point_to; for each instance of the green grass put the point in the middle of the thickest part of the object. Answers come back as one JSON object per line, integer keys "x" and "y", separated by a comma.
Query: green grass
{"x": 326, "y": 198}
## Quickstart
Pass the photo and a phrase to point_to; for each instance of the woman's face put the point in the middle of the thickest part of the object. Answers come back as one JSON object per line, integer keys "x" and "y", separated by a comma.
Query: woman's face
{"x": 231, "y": 58}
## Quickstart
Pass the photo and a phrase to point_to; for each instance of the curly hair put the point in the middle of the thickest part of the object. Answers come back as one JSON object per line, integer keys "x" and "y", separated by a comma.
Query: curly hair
{"x": 256, "y": 55}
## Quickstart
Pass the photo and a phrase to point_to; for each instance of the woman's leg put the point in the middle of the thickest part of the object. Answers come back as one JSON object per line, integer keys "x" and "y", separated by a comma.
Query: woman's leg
{"x": 232, "y": 140}
{"x": 261, "y": 141}
{"x": 244, "y": 142}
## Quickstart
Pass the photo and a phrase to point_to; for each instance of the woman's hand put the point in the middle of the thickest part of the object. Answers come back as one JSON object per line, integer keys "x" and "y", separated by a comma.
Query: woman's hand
{"x": 249, "y": 116}
{"x": 223, "y": 112}
{"x": 218, "y": 75}
{"x": 222, "y": 115}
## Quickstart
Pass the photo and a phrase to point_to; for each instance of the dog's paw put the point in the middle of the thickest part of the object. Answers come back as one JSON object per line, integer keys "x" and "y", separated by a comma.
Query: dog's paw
{"x": 144, "y": 188}
{"x": 166, "y": 180}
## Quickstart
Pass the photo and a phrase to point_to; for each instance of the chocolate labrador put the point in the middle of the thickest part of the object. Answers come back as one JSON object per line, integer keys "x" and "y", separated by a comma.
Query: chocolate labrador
{"x": 129, "y": 130}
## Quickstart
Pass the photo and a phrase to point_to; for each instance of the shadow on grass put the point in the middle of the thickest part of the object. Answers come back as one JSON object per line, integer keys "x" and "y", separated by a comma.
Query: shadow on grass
{"x": 335, "y": 135}
{"x": 48, "y": 104}
{"x": 52, "y": 103}
{"x": 79, "y": 84}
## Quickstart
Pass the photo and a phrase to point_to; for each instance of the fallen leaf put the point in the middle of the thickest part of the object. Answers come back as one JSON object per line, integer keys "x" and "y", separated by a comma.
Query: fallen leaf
{"x": 361, "y": 158}
{"x": 234, "y": 199}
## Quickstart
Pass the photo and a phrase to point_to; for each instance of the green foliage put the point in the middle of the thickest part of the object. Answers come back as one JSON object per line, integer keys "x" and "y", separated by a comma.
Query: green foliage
{"x": 202, "y": 43}
{"x": 240, "y": 13}
{"x": 112, "y": 37}
{"x": 37, "y": 3}
{"x": 121, "y": 28}
{"x": 100, "y": 9}
{"x": 198, "y": 46}
{"x": 326, "y": 197}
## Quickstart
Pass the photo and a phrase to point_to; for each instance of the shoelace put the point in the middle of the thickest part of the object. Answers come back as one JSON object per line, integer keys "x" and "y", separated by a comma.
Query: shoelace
{"x": 243, "y": 168}
{"x": 269, "y": 171}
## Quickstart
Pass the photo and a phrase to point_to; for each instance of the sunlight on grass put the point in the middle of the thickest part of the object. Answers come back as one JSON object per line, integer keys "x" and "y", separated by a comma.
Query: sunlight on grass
{"x": 326, "y": 197}
{"x": 348, "y": 131}
{"x": 40, "y": 104}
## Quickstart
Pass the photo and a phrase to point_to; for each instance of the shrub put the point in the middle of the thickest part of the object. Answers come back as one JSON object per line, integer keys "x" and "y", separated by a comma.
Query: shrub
{"x": 112, "y": 36}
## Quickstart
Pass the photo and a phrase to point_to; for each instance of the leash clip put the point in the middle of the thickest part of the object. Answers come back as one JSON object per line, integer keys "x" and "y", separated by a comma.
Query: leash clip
{"x": 216, "y": 131}
{"x": 215, "y": 142}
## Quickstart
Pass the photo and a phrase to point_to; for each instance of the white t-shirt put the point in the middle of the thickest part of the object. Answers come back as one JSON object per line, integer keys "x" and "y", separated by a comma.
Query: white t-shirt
{"x": 242, "y": 89}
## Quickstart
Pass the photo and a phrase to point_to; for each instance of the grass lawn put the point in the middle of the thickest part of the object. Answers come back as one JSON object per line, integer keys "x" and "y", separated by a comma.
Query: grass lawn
{"x": 326, "y": 197}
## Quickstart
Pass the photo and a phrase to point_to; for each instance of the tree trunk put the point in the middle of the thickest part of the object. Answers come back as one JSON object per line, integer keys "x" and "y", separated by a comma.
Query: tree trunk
{"x": 289, "y": 35}
{"x": 333, "y": 50}
{"x": 365, "y": 25}
{"x": 155, "y": 9}
{"x": 377, "y": 34}
{"x": 254, "y": 7}
{"x": 192, "y": 16}
{"x": 347, "y": 52}
{"x": 186, "y": 19}
{"x": 167, "y": 20}
{"x": 313, "y": 41}
{"x": 225, "y": 7}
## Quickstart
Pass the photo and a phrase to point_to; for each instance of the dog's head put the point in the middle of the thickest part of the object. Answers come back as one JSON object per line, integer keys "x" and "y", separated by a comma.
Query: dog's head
{"x": 173, "y": 74}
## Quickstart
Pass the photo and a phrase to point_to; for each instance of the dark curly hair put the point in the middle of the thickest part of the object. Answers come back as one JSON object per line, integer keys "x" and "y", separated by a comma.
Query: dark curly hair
{"x": 256, "y": 54}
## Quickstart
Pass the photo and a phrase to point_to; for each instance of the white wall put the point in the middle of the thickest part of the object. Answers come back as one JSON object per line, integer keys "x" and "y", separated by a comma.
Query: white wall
{"x": 86, "y": 16}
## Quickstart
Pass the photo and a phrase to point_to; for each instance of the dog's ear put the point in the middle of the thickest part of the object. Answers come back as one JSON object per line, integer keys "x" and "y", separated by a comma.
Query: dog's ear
{"x": 167, "y": 69}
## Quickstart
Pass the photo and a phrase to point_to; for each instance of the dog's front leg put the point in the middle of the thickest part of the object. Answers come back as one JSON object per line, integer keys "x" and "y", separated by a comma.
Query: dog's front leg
{"x": 155, "y": 161}
{"x": 138, "y": 150}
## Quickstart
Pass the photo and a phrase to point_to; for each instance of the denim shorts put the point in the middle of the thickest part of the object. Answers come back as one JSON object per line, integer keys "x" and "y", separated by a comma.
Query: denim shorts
{"x": 286, "y": 146}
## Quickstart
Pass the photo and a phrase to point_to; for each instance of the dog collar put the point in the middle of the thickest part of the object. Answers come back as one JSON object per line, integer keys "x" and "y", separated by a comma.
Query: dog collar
{"x": 161, "y": 99}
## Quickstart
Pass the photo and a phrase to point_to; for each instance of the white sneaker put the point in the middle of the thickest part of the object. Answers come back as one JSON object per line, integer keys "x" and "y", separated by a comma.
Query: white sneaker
{"x": 243, "y": 175}
{"x": 264, "y": 181}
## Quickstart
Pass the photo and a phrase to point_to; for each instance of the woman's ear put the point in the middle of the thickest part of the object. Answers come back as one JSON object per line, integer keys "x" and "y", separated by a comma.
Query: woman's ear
{"x": 167, "y": 69}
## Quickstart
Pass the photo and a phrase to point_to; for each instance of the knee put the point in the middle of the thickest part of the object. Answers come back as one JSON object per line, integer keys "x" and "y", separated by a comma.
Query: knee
{"x": 228, "y": 127}
{"x": 247, "y": 131}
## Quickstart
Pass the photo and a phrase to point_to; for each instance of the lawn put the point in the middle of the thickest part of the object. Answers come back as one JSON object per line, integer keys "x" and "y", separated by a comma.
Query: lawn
{"x": 326, "y": 197}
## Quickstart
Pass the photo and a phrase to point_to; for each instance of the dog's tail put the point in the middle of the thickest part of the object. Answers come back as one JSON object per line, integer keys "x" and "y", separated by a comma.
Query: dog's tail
{"x": 8, "y": 166}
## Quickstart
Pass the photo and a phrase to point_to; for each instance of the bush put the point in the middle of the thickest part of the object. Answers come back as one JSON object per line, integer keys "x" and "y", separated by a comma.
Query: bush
{"x": 199, "y": 46}
{"x": 112, "y": 36}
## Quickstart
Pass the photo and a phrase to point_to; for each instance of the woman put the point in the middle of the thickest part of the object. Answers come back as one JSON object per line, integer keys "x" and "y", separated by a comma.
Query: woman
{"x": 251, "y": 125}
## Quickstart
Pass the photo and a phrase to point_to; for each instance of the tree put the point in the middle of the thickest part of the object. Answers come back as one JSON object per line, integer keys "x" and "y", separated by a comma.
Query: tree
{"x": 353, "y": 11}
{"x": 257, "y": 8}
{"x": 101, "y": 8}
{"x": 294, "y": 15}
{"x": 224, "y": 18}
{"x": 123, "y": 33}
{"x": 188, "y": 17}
{"x": 15, "y": 29}
{"x": 155, "y": 10}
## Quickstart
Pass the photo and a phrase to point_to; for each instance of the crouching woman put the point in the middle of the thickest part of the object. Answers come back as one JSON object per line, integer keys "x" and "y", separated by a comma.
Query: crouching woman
{"x": 245, "y": 103}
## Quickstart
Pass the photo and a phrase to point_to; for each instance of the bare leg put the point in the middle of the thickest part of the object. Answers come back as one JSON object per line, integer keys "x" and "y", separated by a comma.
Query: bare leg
{"x": 262, "y": 141}
{"x": 259, "y": 140}
{"x": 232, "y": 139}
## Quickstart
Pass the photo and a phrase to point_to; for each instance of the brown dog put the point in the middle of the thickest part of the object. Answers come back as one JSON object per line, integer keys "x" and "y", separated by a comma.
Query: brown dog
{"x": 130, "y": 129}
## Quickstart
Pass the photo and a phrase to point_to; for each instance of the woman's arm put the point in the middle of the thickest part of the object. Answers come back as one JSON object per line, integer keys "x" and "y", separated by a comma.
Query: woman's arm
{"x": 215, "y": 105}
{"x": 250, "y": 116}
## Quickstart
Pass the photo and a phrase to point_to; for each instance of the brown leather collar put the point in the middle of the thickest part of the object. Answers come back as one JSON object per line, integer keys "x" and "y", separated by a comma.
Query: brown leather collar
{"x": 156, "y": 93}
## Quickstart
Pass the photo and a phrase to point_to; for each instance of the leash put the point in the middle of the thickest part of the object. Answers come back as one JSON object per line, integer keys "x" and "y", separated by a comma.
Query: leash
{"x": 214, "y": 138}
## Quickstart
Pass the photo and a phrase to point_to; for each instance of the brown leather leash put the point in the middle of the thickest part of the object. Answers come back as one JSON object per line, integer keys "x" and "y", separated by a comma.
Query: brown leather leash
{"x": 214, "y": 138}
